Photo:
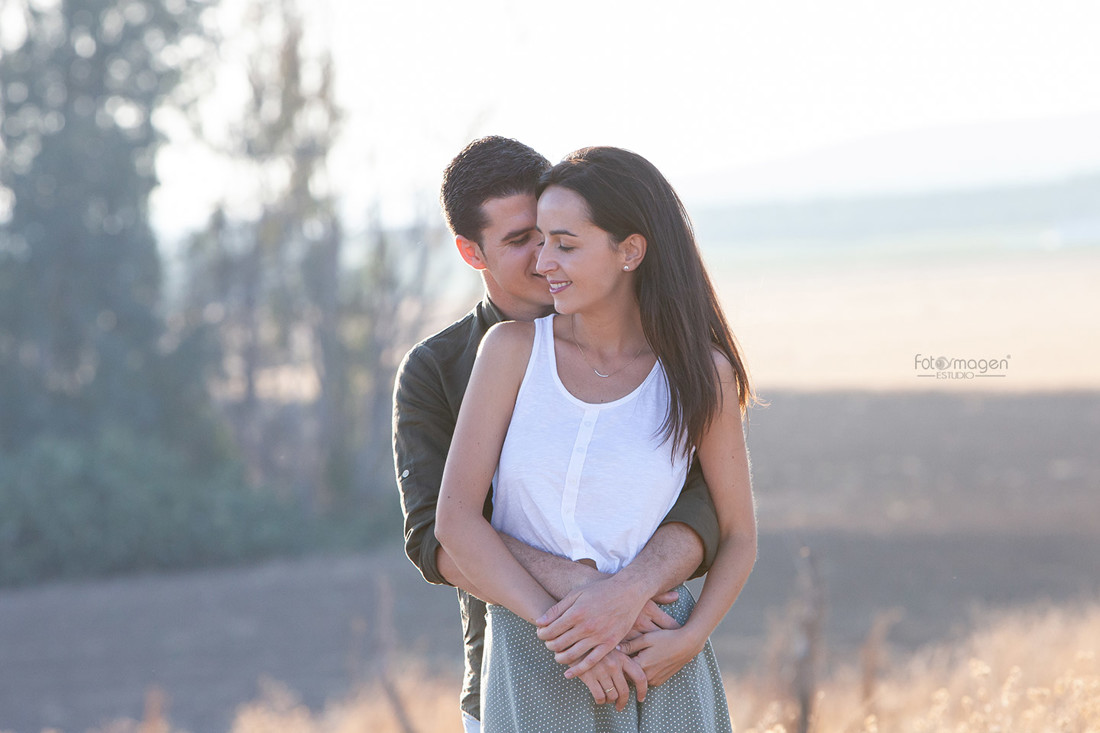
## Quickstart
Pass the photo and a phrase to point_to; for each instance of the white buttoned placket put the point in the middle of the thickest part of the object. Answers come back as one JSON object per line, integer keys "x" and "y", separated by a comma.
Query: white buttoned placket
{"x": 577, "y": 545}
{"x": 599, "y": 495}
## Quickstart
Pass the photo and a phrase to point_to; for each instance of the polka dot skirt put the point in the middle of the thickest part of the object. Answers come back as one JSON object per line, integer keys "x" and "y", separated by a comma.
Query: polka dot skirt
{"x": 523, "y": 689}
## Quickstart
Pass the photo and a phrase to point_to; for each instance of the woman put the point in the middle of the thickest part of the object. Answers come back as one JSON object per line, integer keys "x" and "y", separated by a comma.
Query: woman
{"x": 586, "y": 423}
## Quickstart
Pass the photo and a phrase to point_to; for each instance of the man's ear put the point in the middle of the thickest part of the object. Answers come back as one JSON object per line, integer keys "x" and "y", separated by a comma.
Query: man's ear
{"x": 632, "y": 250}
{"x": 471, "y": 252}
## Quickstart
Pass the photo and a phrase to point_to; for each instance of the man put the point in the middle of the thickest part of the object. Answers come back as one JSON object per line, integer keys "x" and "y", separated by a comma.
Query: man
{"x": 489, "y": 200}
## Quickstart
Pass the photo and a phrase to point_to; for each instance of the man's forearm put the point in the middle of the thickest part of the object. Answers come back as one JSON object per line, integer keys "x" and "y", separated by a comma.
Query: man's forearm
{"x": 668, "y": 559}
{"x": 558, "y": 575}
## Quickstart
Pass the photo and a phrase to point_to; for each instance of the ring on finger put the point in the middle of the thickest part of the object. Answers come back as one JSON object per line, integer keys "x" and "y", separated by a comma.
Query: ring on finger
{"x": 609, "y": 689}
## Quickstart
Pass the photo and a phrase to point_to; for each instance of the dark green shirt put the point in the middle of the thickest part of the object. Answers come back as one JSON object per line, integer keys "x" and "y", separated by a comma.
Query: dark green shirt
{"x": 430, "y": 385}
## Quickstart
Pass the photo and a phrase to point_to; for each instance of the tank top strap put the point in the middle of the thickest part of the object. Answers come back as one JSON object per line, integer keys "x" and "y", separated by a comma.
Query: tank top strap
{"x": 542, "y": 350}
{"x": 542, "y": 356}
{"x": 544, "y": 333}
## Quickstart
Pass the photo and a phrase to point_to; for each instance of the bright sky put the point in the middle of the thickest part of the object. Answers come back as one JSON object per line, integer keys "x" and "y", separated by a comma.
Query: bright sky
{"x": 729, "y": 99}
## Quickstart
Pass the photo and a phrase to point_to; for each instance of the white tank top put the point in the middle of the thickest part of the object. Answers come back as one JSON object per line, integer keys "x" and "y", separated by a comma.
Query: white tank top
{"x": 584, "y": 480}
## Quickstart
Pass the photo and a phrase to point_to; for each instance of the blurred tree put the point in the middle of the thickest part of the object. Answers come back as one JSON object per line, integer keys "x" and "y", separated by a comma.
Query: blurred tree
{"x": 272, "y": 283}
{"x": 111, "y": 454}
{"x": 397, "y": 296}
{"x": 311, "y": 320}
{"x": 81, "y": 339}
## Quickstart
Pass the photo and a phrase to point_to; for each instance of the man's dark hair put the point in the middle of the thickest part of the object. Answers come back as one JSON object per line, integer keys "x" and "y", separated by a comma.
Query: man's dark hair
{"x": 488, "y": 168}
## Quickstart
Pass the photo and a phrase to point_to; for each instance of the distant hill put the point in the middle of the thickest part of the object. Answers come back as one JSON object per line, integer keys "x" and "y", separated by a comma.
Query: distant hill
{"x": 1066, "y": 212}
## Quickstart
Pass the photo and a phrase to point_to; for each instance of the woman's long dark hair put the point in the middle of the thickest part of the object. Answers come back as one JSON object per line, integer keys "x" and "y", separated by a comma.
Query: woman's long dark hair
{"x": 681, "y": 316}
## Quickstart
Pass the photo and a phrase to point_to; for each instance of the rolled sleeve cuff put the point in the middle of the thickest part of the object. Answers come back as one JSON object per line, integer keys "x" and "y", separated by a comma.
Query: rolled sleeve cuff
{"x": 426, "y": 561}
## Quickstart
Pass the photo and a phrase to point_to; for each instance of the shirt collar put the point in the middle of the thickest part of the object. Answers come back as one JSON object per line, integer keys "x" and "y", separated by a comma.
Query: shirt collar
{"x": 489, "y": 313}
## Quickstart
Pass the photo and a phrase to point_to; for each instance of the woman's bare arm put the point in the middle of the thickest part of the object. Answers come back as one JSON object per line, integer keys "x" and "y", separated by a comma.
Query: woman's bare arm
{"x": 725, "y": 462}
{"x": 476, "y": 548}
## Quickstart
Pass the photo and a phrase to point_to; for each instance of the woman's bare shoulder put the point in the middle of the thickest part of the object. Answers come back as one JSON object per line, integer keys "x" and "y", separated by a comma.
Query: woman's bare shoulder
{"x": 507, "y": 345}
{"x": 723, "y": 365}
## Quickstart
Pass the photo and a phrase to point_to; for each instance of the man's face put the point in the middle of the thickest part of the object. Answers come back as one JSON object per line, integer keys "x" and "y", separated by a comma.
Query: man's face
{"x": 509, "y": 252}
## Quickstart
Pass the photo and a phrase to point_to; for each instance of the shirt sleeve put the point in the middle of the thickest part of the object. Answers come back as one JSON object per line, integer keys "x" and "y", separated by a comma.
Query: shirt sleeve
{"x": 422, "y": 429}
{"x": 695, "y": 508}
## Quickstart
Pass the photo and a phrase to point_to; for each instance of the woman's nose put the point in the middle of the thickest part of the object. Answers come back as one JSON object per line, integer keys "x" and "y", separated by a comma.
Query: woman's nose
{"x": 544, "y": 263}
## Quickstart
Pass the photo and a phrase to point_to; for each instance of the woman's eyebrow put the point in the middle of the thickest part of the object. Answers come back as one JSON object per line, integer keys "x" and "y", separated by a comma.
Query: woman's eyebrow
{"x": 566, "y": 232}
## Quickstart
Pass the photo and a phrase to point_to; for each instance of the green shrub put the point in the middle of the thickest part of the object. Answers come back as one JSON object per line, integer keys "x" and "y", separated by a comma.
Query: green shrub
{"x": 126, "y": 503}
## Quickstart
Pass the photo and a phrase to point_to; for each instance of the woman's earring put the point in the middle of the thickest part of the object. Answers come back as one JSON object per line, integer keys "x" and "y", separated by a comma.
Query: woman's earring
{"x": 626, "y": 268}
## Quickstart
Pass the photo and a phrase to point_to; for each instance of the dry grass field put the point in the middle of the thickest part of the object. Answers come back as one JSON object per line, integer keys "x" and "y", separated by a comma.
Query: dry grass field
{"x": 1034, "y": 671}
{"x": 1028, "y": 672}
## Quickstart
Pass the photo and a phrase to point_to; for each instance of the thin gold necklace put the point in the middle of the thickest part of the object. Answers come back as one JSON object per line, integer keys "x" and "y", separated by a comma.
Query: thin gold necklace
{"x": 584, "y": 355}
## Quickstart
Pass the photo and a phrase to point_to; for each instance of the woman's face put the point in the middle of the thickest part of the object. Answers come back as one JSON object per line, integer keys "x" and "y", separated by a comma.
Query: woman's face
{"x": 580, "y": 262}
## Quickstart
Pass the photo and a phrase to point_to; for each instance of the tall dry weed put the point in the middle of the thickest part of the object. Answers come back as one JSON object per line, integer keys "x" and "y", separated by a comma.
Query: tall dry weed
{"x": 1032, "y": 671}
{"x": 431, "y": 705}
{"x": 1028, "y": 672}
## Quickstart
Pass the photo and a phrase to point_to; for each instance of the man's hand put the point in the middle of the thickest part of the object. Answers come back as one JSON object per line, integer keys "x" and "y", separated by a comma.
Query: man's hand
{"x": 607, "y": 680}
{"x": 652, "y": 617}
{"x": 587, "y": 624}
{"x": 662, "y": 653}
